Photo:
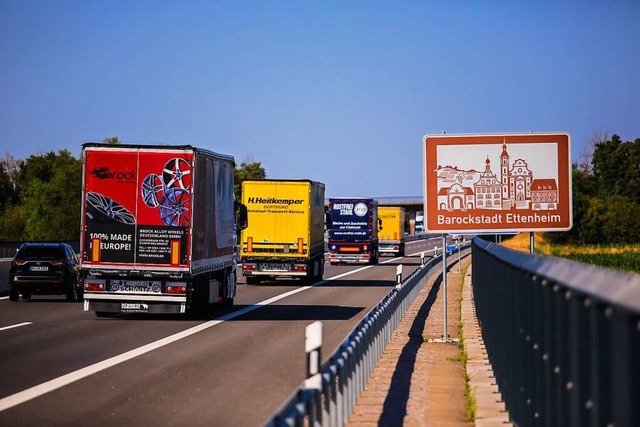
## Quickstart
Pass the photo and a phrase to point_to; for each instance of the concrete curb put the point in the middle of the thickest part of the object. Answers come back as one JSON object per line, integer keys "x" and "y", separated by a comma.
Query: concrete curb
{"x": 489, "y": 409}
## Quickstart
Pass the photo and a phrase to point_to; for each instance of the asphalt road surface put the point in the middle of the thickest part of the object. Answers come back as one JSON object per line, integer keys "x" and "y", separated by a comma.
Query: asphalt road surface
{"x": 61, "y": 366}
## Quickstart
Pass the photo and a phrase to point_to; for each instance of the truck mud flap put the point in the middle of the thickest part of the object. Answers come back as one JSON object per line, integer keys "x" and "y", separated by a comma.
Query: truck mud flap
{"x": 134, "y": 307}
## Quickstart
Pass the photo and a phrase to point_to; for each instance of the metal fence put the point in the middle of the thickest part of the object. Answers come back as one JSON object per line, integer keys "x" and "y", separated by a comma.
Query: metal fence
{"x": 563, "y": 338}
{"x": 345, "y": 374}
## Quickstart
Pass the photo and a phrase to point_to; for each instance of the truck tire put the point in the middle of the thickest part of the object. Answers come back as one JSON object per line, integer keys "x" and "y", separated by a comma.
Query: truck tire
{"x": 251, "y": 280}
{"x": 72, "y": 293}
{"x": 103, "y": 314}
{"x": 320, "y": 268}
{"x": 13, "y": 293}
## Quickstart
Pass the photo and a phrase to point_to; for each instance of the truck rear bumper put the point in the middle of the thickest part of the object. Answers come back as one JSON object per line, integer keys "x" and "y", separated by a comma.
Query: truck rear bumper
{"x": 275, "y": 273}
{"x": 274, "y": 268}
{"x": 134, "y": 303}
{"x": 353, "y": 259}
{"x": 388, "y": 251}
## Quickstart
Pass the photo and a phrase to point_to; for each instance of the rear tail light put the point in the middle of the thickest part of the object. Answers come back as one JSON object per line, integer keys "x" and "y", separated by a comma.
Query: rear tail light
{"x": 248, "y": 267}
{"x": 300, "y": 267}
{"x": 179, "y": 289}
{"x": 16, "y": 262}
{"x": 94, "y": 287}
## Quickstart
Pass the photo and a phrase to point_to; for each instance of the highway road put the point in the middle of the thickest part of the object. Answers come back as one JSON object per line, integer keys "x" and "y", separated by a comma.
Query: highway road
{"x": 62, "y": 366}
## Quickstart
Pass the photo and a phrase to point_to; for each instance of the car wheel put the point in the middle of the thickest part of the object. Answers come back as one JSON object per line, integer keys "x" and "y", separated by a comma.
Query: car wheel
{"x": 13, "y": 294}
{"x": 253, "y": 280}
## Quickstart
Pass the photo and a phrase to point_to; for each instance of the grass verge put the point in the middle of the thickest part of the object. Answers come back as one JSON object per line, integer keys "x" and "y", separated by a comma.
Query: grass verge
{"x": 468, "y": 393}
{"x": 615, "y": 257}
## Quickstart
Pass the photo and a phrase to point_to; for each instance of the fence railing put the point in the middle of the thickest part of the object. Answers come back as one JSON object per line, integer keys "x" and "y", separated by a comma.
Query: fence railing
{"x": 563, "y": 338}
{"x": 345, "y": 374}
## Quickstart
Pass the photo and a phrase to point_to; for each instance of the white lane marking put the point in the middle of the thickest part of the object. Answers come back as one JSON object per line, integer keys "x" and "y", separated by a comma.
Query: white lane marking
{"x": 1, "y": 298}
{"x": 56, "y": 383}
{"x": 17, "y": 325}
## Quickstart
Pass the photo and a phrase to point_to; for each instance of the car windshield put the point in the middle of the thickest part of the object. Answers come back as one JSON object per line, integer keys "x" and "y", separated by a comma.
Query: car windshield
{"x": 44, "y": 253}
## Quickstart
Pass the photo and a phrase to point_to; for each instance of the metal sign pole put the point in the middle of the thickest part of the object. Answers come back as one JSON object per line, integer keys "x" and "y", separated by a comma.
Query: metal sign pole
{"x": 459, "y": 250}
{"x": 531, "y": 242}
{"x": 445, "y": 336}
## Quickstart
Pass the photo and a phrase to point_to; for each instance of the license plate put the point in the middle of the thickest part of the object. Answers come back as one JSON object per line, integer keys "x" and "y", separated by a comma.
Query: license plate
{"x": 38, "y": 268}
{"x": 274, "y": 267}
{"x": 134, "y": 286}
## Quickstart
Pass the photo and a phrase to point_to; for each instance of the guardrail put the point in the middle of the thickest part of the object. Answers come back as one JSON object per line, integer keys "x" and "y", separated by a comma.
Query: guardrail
{"x": 345, "y": 374}
{"x": 563, "y": 338}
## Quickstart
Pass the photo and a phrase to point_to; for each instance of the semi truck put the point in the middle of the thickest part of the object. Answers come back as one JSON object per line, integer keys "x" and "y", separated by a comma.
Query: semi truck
{"x": 157, "y": 229}
{"x": 391, "y": 237}
{"x": 285, "y": 236}
{"x": 353, "y": 232}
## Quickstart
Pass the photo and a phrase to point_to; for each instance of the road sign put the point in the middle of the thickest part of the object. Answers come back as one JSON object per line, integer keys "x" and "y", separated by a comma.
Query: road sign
{"x": 497, "y": 183}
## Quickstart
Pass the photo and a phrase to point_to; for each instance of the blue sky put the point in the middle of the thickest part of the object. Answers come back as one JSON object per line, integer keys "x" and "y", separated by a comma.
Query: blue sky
{"x": 339, "y": 92}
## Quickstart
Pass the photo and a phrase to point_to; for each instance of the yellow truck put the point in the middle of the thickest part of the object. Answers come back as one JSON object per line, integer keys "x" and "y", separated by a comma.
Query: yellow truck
{"x": 285, "y": 236}
{"x": 391, "y": 237}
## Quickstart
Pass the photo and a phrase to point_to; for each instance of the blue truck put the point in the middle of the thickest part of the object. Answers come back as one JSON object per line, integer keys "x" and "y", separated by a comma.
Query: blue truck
{"x": 353, "y": 230}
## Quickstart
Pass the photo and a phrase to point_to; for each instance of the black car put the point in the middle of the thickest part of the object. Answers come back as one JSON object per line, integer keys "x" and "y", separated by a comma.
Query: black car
{"x": 45, "y": 269}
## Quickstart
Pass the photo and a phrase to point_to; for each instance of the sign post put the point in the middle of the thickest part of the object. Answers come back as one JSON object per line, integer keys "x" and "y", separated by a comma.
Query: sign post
{"x": 445, "y": 335}
{"x": 495, "y": 183}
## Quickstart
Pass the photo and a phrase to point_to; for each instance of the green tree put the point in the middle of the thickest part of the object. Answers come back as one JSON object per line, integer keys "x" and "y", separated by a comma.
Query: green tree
{"x": 606, "y": 193}
{"x": 247, "y": 170}
{"x": 113, "y": 140}
{"x": 583, "y": 189}
{"x": 50, "y": 194}
{"x": 616, "y": 168}
{"x": 621, "y": 220}
{"x": 8, "y": 194}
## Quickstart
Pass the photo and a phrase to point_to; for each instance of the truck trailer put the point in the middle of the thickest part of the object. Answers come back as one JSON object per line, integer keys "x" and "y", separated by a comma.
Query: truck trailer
{"x": 353, "y": 233}
{"x": 391, "y": 237}
{"x": 157, "y": 231}
{"x": 285, "y": 236}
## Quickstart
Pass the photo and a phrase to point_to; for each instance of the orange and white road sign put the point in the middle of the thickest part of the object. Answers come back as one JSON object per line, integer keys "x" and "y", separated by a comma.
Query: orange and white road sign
{"x": 497, "y": 182}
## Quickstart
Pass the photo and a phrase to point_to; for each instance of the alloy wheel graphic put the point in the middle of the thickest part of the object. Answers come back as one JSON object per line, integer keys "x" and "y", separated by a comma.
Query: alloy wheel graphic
{"x": 152, "y": 189}
{"x": 99, "y": 205}
{"x": 177, "y": 173}
{"x": 174, "y": 207}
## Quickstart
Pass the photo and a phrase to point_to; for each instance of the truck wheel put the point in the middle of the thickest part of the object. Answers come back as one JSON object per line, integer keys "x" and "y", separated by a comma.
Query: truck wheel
{"x": 103, "y": 314}
{"x": 318, "y": 276}
{"x": 13, "y": 293}
{"x": 253, "y": 280}
{"x": 26, "y": 295}
{"x": 227, "y": 302}
{"x": 72, "y": 293}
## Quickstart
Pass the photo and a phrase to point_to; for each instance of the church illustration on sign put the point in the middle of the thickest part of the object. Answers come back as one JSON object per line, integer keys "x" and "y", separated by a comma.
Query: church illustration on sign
{"x": 513, "y": 188}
